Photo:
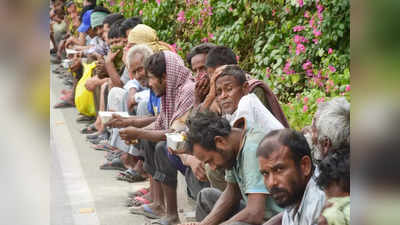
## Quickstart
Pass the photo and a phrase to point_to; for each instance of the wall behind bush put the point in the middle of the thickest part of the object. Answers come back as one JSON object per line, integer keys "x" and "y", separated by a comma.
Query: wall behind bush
{"x": 301, "y": 48}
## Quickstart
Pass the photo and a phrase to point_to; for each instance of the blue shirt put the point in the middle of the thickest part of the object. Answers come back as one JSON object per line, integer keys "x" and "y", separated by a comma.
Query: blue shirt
{"x": 154, "y": 104}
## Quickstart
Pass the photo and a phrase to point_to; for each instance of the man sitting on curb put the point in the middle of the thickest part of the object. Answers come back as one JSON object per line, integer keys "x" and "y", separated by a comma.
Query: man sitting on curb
{"x": 214, "y": 141}
{"x": 289, "y": 173}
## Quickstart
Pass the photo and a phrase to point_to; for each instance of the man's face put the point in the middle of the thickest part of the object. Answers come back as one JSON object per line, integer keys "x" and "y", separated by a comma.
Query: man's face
{"x": 136, "y": 70}
{"x": 198, "y": 64}
{"x": 91, "y": 33}
{"x": 106, "y": 28}
{"x": 71, "y": 9}
{"x": 228, "y": 93}
{"x": 158, "y": 86}
{"x": 220, "y": 159}
{"x": 284, "y": 179}
{"x": 99, "y": 31}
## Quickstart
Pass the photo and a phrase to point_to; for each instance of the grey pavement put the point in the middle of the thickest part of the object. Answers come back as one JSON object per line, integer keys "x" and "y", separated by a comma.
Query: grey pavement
{"x": 81, "y": 193}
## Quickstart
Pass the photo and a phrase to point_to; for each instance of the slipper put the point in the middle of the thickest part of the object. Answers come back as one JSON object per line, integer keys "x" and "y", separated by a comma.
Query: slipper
{"x": 116, "y": 164}
{"x": 89, "y": 130}
{"x": 110, "y": 156}
{"x": 63, "y": 104}
{"x": 103, "y": 147}
{"x": 140, "y": 192}
{"x": 161, "y": 221}
{"x": 130, "y": 176}
{"x": 144, "y": 210}
{"x": 85, "y": 119}
{"x": 137, "y": 201}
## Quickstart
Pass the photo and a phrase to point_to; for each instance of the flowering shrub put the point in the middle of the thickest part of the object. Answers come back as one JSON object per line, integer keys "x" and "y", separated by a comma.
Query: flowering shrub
{"x": 301, "y": 48}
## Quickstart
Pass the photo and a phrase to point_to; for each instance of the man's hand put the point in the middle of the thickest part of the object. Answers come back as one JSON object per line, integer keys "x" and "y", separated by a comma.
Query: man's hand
{"x": 117, "y": 121}
{"x": 201, "y": 90}
{"x": 129, "y": 135}
{"x": 197, "y": 167}
{"x": 111, "y": 56}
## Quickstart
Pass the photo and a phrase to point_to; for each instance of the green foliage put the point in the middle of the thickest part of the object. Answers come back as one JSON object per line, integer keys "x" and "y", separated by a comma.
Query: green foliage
{"x": 263, "y": 35}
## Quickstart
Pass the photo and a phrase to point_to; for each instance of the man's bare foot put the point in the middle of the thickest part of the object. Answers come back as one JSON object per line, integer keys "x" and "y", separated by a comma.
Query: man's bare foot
{"x": 170, "y": 219}
{"x": 157, "y": 209}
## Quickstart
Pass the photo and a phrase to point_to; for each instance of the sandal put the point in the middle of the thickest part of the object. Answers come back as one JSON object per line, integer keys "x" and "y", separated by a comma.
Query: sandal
{"x": 103, "y": 147}
{"x": 140, "y": 192}
{"x": 137, "y": 201}
{"x": 85, "y": 119}
{"x": 130, "y": 176}
{"x": 89, "y": 130}
{"x": 162, "y": 221}
{"x": 63, "y": 104}
{"x": 144, "y": 210}
{"x": 115, "y": 164}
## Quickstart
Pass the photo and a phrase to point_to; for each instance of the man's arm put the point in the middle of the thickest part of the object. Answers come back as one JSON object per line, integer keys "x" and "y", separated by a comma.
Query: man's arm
{"x": 141, "y": 122}
{"x": 131, "y": 98}
{"x": 111, "y": 70}
{"x": 254, "y": 211}
{"x": 132, "y": 133}
{"x": 229, "y": 199}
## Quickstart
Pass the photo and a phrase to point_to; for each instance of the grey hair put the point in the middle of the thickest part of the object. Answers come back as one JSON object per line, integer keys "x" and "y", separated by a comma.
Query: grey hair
{"x": 141, "y": 49}
{"x": 332, "y": 121}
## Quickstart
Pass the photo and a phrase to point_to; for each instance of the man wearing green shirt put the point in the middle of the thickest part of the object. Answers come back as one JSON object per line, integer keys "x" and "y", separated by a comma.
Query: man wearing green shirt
{"x": 245, "y": 200}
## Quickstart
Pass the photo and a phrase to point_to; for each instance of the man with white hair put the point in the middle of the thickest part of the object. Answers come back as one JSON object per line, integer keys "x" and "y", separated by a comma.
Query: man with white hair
{"x": 330, "y": 128}
{"x": 135, "y": 90}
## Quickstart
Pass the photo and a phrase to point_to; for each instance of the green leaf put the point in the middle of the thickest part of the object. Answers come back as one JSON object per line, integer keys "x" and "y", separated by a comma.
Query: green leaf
{"x": 295, "y": 78}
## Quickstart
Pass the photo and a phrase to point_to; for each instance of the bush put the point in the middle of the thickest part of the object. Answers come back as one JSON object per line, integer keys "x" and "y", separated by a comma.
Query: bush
{"x": 301, "y": 48}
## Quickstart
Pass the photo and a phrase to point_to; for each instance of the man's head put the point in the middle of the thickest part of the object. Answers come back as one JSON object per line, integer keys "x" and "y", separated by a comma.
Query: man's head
{"x": 129, "y": 24}
{"x": 230, "y": 87}
{"x": 219, "y": 56}
{"x": 114, "y": 36}
{"x": 285, "y": 162}
{"x": 155, "y": 67}
{"x": 70, "y": 7}
{"x": 196, "y": 58}
{"x": 108, "y": 21}
{"x": 136, "y": 57}
{"x": 89, "y": 2}
{"x": 209, "y": 140}
{"x": 331, "y": 126}
{"x": 97, "y": 19}
{"x": 334, "y": 177}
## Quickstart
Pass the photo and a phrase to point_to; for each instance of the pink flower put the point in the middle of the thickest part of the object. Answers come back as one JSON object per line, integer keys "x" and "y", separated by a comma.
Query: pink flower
{"x": 200, "y": 23}
{"x": 287, "y": 10}
{"x": 330, "y": 51}
{"x": 300, "y": 48}
{"x": 287, "y": 69}
{"x": 273, "y": 12}
{"x": 140, "y": 12}
{"x": 205, "y": 2}
{"x": 301, "y": 3}
{"x": 192, "y": 21}
{"x": 299, "y": 39}
{"x": 312, "y": 21}
{"x": 204, "y": 40}
{"x": 305, "y": 108}
{"x": 210, "y": 35}
{"x": 317, "y": 33}
{"x": 307, "y": 65}
{"x": 307, "y": 14}
{"x": 315, "y": 41}
{"x": 121, "y": 4}
{"x": 319, "y": 100}
{"x": 310, "y": 72}
{"x": 181, "y": 16}
{"x": 347, "y": 88}
{"x": 237, "y": 58}
{"x": 305, "y": 100}
{"x": 298, "y": 28}
{"x": 268, "y": 72}
{"x": 145, "y": 1}
{"x": 158, "y": 2}
{"x": 230, "y": 9}
{"x": 332, "y": 69}
{"x": 210, "y": 13}
{"x": 112, "y": 2}
{"x": 320, "y": 8}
